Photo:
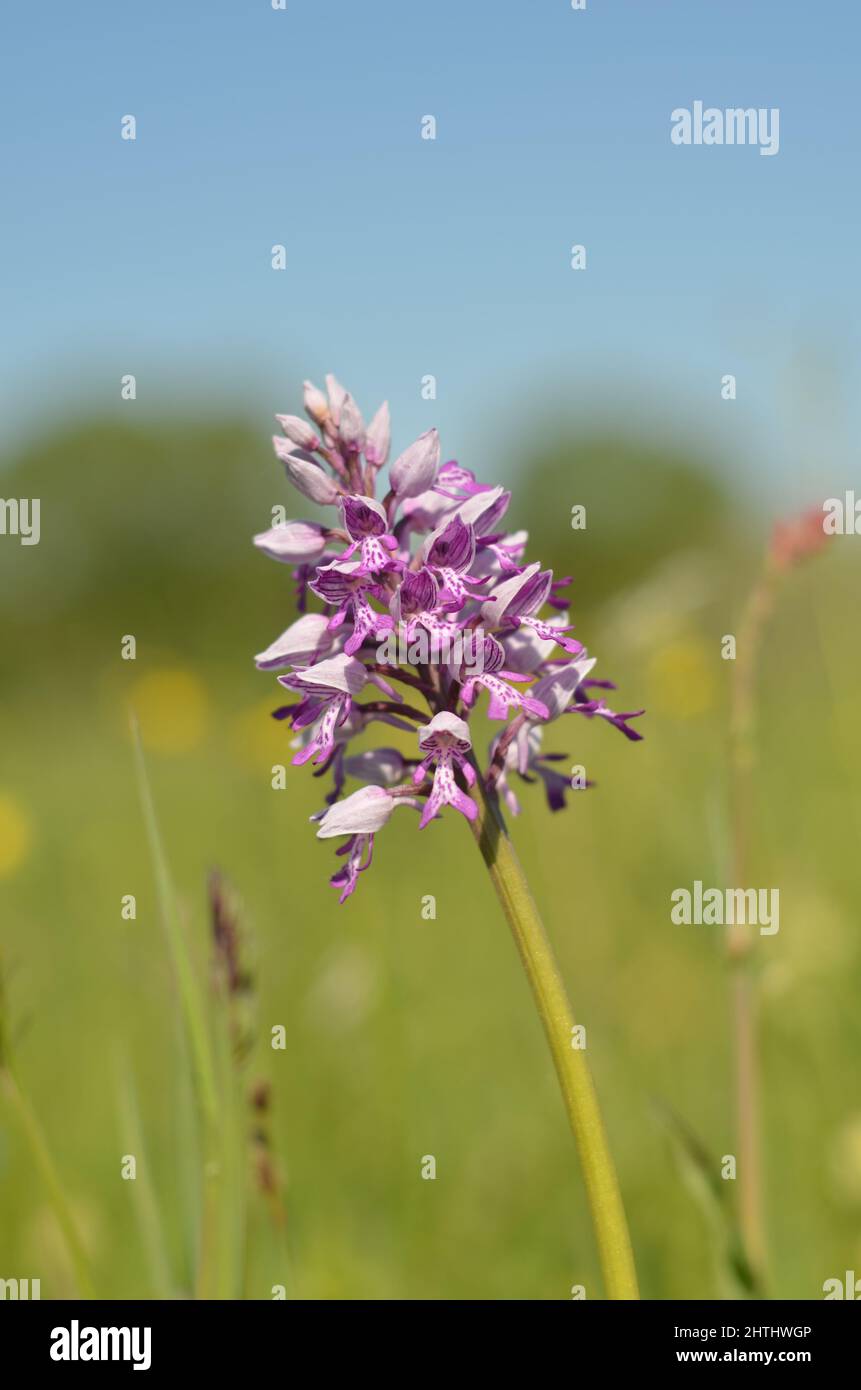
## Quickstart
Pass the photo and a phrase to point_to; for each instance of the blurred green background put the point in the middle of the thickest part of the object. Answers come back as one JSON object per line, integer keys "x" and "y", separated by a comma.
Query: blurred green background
{"x": 407, "y": 1037}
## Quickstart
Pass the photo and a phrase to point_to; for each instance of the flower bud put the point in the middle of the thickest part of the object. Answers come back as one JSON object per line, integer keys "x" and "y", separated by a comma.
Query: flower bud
{"x": 336, "y": 398}
{"x": 316, "y": 405}
{"x": 379, "y": 437}
{"x": 416, "y": 468}
{"x": 351, "y": 426}
{"x": 299, "y": 432}
{"x": 305, "y": 475}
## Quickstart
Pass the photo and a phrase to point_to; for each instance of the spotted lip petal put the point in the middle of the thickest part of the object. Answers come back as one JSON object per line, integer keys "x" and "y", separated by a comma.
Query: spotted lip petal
{"x": 502, "y": 695}
{"x": 446, "y": 742}
{"x": 358, "y": 852}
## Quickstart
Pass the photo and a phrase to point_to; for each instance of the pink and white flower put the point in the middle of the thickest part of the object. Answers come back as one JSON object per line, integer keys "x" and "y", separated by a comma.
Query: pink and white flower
{"x": 432, "y": 560}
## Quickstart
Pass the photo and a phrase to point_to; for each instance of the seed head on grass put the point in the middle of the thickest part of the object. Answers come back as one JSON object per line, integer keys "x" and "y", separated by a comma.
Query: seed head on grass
{"x": 233, "y": 979}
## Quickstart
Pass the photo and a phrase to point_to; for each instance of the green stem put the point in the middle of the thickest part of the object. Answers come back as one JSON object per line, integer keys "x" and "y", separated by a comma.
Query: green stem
{"x": 572, "y": 1068}
{"x": 747, "y": 1119}
{"x": 193, "y": 1012}
{"x": 739, "y": 943}
{"x": 212, "y": 1275}
{"x": 38, "y": 1147}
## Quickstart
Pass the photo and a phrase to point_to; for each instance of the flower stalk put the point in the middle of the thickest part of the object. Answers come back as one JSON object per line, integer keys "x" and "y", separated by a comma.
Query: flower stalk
{"x": 572, "y": 1068}
{"x": 743, "y": 989}
{"x": 793, "y": 542}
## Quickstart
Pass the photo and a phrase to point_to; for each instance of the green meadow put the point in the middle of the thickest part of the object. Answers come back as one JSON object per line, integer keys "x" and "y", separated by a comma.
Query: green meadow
{"x": 406, "y": 1036}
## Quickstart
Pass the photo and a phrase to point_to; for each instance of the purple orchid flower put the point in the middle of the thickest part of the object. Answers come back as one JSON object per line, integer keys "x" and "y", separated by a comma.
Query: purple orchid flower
{"x": 329, "y": 688}
{"x": 564, "y": 690}
{"x": 416, "y": 604}
{"x": 559, "y": 686}
{"x": 490, "y": 675}
{"x": 450, "y": 551}
{"x": 518, "y": 600}
{"x": 416, "y": 598}
{"x": 366, "y": 525}
{"x": 345, "y": 584}
{"x": 525, "y": 757}
{"x": 359, "y": 817}
{"x": 446, "y": 742}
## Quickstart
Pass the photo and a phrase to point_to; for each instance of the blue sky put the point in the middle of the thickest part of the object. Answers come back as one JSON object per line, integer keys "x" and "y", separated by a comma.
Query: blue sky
{"x": 451, "y": 257}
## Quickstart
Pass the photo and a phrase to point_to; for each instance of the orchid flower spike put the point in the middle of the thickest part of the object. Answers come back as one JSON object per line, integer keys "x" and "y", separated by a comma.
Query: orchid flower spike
{"x": 422, "y": 601}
